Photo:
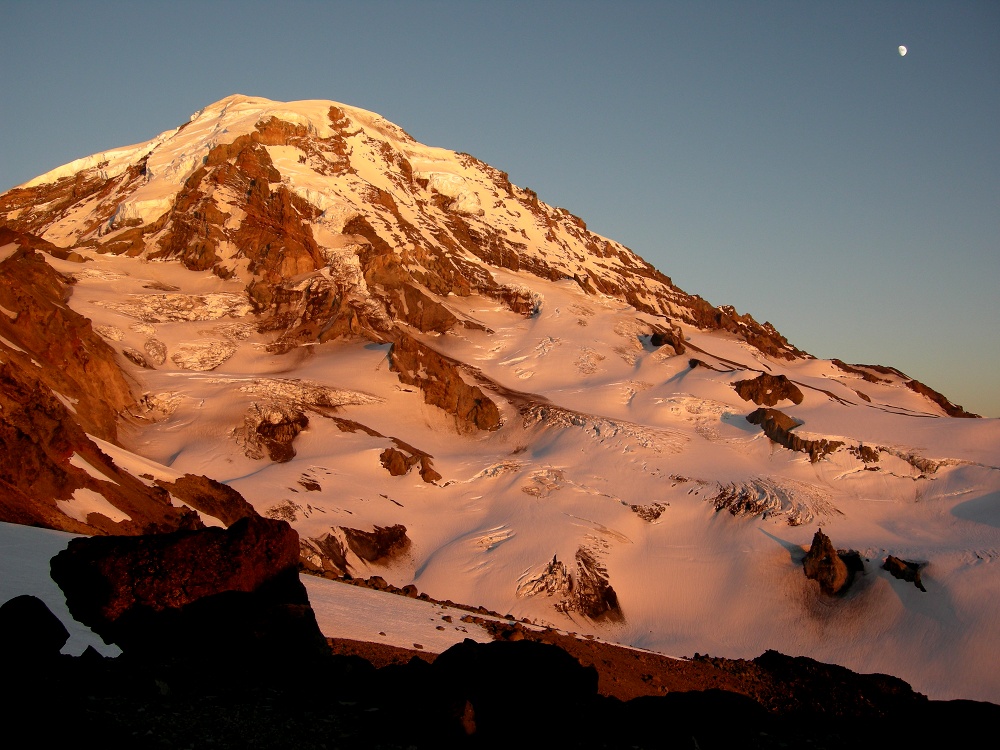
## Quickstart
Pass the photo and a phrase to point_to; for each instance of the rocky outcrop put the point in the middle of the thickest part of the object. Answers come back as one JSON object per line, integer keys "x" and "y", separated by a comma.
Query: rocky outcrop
{"x": 70, "y": 356}
{"x": 904, "y": 570}
{"x": 269, "y": 428}
{"x": 380, "y": 545}
{"x": 778, "y": 426}
{"x": 768, "y": 390}
{"x": 867, "y": 454}
{"x": 54, "y": 476}
{"x": 672, "y": 337}
{"x": 193, "y": 594}
{"x": 833, "y": 569}
{"x": 952, "y": 410}
{"x": 398, "y": 461}
{"x": 587, "y": 590}
{"x": 29, "y": 631}
{"x": 327, "y": 554}
{"x": 882, "y": 374}
{"x": 439, "y": 379}
{"x": 209, "y": 497}
{"x": 593, "y": 593}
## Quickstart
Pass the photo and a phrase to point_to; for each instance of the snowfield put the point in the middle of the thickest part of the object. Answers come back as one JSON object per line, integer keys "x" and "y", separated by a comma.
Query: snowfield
{"x": 631, "y": 428}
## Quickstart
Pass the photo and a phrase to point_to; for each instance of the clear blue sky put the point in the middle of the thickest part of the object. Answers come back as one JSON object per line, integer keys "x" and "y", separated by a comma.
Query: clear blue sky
{"x": 777, "y": 156}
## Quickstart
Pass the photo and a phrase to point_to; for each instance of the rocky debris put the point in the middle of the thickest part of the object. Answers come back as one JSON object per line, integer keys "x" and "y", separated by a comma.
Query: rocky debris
{"x": 904, "y": 570}
{"x": 29, "y": 630}
{"x": 651, "y": 512}
{"x": 778, "y": 426}
{"x": 135, "y": 357}
{"x": 768, "y": 390}
{"x": 439, "y": 379}
{"x": 210, "y": 497}
{"x": 833, "y": 569}
{"x": 173, "y": 307}
{"x": 190, "y": 595}
{"x": 303, "y": 394}
{"x": 865, "y": 453}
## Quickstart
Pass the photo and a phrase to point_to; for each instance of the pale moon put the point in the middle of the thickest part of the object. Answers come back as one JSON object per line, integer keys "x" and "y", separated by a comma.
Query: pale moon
{"x": 902, "y": 51}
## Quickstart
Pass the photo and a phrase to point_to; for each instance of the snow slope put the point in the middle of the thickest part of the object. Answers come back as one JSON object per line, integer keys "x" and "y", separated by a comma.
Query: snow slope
{"x": 614, "y": 457}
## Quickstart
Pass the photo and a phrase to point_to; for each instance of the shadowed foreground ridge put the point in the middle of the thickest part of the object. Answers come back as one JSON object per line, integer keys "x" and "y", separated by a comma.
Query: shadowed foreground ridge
{"x": 294, "y": 310}
{"x": 220, "y": 649}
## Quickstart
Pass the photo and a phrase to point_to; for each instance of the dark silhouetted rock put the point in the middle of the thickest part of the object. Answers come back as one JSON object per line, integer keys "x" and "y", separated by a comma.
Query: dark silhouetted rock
{"x": 815, "y": 689}
{"x": 490, "y": 685}
{"x": 904, "y": 570}
{"x": 29, "y": 630}
{"x": 215, "y": 593}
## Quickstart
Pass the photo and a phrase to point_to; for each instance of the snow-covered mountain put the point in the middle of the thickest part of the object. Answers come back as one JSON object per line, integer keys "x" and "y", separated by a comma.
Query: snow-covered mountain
{"x": 441, "y": 380}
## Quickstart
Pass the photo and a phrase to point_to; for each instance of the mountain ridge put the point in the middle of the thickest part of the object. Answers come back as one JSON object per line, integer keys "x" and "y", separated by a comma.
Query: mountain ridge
{"x": 306, "y": 305}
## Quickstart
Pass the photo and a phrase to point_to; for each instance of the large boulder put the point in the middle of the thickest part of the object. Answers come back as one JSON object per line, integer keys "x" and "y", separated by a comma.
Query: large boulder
{"x": 209, "y": 594}
{"x": 768, "y": 390}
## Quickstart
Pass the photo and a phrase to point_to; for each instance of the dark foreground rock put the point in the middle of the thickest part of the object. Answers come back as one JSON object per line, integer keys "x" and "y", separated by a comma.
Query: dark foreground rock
{"x": 29, "y": 631}
{"x": 212, "y": 594}
{"x": 221, "y": 651}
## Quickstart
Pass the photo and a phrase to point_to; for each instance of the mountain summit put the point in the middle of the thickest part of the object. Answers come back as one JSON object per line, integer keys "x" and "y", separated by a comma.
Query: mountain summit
{"x": 296, "y": 310}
